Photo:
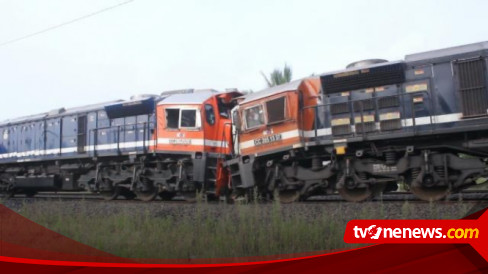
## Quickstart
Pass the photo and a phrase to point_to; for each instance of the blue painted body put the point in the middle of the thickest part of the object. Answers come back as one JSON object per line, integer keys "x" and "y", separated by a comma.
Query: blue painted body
{"x": 430, "y": 100}
{"x": 52, "y": 137}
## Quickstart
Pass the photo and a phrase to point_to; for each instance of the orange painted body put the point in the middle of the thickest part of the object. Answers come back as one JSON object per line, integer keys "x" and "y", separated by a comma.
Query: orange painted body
{"x": 205, "y": 137}
{"x": 210, "y": 133}
{"x": 281, "y": 134}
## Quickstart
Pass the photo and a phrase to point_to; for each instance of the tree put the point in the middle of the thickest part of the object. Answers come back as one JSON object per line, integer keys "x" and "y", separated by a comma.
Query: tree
{"x": 278, "y": 76}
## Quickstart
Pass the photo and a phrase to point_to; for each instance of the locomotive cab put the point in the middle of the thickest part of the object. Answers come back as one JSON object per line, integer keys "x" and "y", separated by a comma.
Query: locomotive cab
{"x": 272, "y": 122}
{"x": 273, "y": 119}
{"x": 195, "y": 132}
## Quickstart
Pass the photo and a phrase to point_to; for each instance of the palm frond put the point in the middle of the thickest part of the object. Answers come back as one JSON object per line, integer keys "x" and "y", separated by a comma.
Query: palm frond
{"x": 278, "y": 76}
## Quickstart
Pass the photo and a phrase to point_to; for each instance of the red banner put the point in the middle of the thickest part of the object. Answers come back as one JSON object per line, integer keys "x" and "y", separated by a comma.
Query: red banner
{"x": 27, "y": 246}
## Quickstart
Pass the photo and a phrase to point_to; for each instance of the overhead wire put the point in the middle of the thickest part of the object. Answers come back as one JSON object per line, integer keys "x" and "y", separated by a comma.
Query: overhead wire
{"x": 51, "y": 28}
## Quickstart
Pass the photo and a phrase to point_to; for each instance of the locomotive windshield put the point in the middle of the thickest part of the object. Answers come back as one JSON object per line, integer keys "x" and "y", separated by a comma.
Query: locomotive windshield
{"x": 172, "y": 118}
{"x": 181, "y": 118}
{"x": 254, "y": 116}
{"x": 188, "y": 118}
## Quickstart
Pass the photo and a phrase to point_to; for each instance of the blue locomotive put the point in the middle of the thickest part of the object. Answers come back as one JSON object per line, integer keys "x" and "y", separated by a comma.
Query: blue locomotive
{"x": 420, "y": 122}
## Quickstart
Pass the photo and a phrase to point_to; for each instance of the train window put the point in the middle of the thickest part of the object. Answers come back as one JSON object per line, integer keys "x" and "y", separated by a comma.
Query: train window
{"x": 223, "y": 109}
{"x": 254, "y": 116}
{"x": 188, "y": 118}
{"x": 210, "y": 114}
{"x": 276, "y": 110}
{"x": 172, "y": 117}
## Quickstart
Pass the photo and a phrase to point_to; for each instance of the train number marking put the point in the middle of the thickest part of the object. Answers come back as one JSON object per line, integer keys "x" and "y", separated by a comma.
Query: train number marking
{"x": 180, "y": 141}
{"x": 267, "y": 139}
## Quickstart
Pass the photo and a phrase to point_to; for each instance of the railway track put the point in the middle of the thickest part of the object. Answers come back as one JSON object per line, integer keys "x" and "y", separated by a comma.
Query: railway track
{"x": 471, "y": 196}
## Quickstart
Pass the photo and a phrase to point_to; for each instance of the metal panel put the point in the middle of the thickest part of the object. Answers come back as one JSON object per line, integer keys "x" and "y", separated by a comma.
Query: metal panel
{"x": 366, "y": 105}
{"x": 472, "y": 86}
{"x": 368, "y": 127}
{"x": 341, "y": 130}
{"x": 339, "y": 108}
{"x": 391, "y": 124}
{"x": 82, "y": 130}
{"x": 388, "y": 102}
{"x": 372, "y": 76}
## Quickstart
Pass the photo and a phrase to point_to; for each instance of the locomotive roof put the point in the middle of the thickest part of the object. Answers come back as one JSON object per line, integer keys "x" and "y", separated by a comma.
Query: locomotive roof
{"x": 293, "y": 85}
{"x": 447, "y": 52}
{"x": 362, "y": 67}
{"x": 57, "y": 113}
{"x": 197, "y": 97}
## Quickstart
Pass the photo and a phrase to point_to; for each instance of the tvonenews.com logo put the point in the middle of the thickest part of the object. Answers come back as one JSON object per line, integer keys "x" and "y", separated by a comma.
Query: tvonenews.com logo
{"x": 375, "y": 232}
{"x": 468, "y": 231}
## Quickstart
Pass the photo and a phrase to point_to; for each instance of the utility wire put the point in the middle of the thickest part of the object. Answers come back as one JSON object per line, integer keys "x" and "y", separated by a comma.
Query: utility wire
{"x": 64, "y": 24}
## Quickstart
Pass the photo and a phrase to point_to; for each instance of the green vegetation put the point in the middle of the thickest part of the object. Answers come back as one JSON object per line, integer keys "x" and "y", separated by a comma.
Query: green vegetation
{"x": 278, "y": 76}
{"x": 179, "y": 230}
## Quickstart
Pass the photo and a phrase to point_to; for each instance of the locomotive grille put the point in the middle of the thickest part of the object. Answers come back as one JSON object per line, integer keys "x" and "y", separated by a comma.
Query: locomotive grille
{"x": 390, "y": 124}
{"x": 367, "y": 105}
{"x": 388, "y": 102}
{"x": 339, "y": 108}
{"x": 363, "y": 78}
{"x": 368, "y": 127}
{"x": 341, "y": 130}
{"x": 472, "y": 86}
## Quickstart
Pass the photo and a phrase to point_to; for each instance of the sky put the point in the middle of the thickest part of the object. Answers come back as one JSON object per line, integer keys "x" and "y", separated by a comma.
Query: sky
{"x": 150, "y": 46}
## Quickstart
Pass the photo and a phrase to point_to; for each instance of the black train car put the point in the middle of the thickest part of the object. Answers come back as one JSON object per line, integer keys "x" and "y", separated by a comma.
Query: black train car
{"x": 423, "y": 120}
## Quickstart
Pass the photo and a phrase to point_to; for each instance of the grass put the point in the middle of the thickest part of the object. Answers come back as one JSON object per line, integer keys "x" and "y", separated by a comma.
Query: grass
{"x": 159, "y": 230}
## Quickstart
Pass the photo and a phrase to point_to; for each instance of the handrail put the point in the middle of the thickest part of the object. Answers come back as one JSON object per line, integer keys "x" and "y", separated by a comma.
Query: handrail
{"x": 353, "y": 110}
{"x": 118, "y": 129}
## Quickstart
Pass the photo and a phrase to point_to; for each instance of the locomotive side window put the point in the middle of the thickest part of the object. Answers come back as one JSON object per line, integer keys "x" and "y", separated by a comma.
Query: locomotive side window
{"x": 223, "y": 108}
{"x": 254, "y": 116}
{"x": 276, "y": 110}
{"x": 188, "y": 118}
{"x": 210, "y": 114}
{"x": 172, "y": 118}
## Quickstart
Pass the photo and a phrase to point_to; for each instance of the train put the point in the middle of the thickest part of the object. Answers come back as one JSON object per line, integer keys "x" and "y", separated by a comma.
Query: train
{"x": 419, "y": 124}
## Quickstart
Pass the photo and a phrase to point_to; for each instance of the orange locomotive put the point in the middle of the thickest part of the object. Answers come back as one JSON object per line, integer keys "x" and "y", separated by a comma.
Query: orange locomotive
{"x": 272, "y": 126}
{"x": 166, "y": 145}
{"x": 197, "y": 125}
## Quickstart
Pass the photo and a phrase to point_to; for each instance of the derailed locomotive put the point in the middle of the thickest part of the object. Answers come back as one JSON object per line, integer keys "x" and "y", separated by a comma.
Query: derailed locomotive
{"x": 359, "y": 131}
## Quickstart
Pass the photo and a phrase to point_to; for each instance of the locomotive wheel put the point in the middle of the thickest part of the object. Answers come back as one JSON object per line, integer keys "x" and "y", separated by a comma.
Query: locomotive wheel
{"x": 428, "y": 190}
{"x": 110, "y": 195}
{"x": 166, "y": 195}
{"x": 147, "y": 196}
{"x": 351, "y": 192}
{"x": 355, "y": 194}
{"x": 359, "y": 194}
{"x": 191, "y": 197}
{"x": 128, "y": 195}
{"x": 288, "y": 196}
{"x": 431, "y": 193}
